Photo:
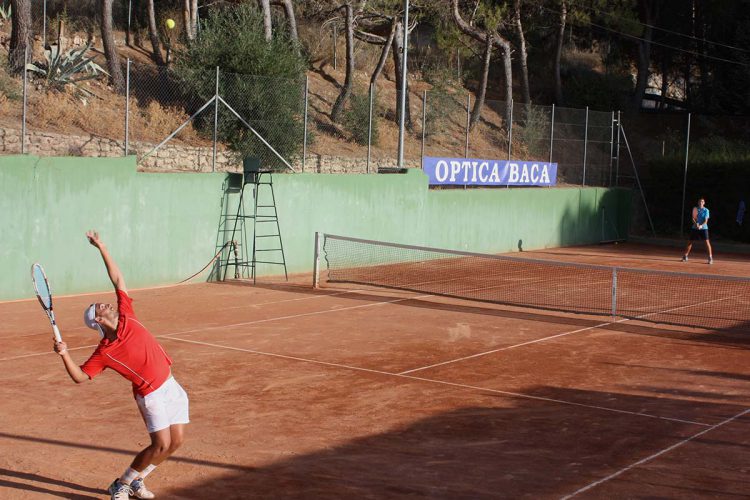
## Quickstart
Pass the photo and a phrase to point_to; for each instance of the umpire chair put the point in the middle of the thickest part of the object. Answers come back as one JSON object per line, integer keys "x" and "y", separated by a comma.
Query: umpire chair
{"x": 266, "y": 245}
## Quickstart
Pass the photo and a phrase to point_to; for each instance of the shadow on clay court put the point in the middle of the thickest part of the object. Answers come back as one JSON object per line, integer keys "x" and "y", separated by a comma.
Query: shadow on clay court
{"x": 709, "y": 373}
{"x": 120, "y": 451}
{"x": 734, "y": 338}
{"x": 539, "y": 448}
{"x": 531, "y": 448}
{"x": 6, "y": 481}
{"x": 550, "y": 443}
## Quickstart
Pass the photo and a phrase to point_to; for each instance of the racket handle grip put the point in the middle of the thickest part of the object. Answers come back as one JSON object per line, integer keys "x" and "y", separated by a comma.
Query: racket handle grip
{"x": 58, "y": 338}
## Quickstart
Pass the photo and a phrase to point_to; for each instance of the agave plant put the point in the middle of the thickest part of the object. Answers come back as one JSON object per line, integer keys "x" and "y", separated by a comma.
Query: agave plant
{"x": 69, "y": 68}
{"x": 6, "y": 12}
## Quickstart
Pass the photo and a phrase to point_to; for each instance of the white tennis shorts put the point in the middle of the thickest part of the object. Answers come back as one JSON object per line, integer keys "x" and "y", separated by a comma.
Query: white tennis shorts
{"x": 167, "y": 405}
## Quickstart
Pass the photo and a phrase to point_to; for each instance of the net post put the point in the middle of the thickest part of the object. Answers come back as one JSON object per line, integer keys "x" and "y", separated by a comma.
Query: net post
{"x": 316, "y": 262}
{"x": 614, "y": 292}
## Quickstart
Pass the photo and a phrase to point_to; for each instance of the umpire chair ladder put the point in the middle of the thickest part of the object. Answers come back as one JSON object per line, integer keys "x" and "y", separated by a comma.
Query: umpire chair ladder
{"x": 265, "y": 225}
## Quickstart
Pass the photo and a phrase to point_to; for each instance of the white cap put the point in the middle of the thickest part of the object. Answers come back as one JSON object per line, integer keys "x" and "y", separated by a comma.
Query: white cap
{"x": 89, "y": 319}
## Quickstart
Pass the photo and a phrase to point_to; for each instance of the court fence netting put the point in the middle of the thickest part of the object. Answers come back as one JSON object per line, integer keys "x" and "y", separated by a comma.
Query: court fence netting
{"x": 693, "y": 300}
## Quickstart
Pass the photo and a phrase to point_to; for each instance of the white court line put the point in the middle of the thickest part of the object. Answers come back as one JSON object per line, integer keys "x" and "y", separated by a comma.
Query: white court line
{"x": 317, "y": 296}
{"x": 301, "y": 315}
{"x": 244, "y": 323}
{"x": 478, "y": 355}
{"x": 655, "y": 455}
{"x": 170, "y": 336}
{"x": 440, "y": 382}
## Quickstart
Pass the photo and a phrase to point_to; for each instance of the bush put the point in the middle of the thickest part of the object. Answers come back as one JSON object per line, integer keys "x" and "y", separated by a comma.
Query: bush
{"x": 357, "y": 118}
{"x": 586, "y": 87}
{"x": 262, "y": 81}
{"x": 9, "y": 87}
{"x": 441, "y": 106}
{"x": 532, "y": 131}
{"x": 70, "y": 68}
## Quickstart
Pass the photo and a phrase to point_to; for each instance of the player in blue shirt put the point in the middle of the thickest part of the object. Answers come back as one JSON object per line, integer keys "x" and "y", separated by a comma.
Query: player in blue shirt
{"x": 699, "y": 230}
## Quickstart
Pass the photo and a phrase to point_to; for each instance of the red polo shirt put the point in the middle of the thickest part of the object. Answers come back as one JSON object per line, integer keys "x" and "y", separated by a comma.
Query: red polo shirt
{"x": 135, "y": 354}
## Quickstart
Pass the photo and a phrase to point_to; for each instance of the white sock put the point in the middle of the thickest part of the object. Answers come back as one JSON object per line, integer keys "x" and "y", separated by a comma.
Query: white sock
{"x": 148, "y": 470}
{"x": 129, "y": 475}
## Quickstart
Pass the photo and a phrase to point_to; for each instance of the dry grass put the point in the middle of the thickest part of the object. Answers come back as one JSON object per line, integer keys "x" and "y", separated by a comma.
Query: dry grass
{"x": 152, "y": 120}
{"x": 103, "y": 115}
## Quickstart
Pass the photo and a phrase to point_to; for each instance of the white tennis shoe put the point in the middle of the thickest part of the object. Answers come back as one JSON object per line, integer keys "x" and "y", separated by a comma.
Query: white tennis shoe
{"x": 140, "y": 490}
{"x": 119, "y": 491}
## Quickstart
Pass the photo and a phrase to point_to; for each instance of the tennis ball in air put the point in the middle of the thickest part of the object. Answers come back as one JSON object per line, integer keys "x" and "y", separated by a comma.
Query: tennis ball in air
{"x": 170, "y": 23}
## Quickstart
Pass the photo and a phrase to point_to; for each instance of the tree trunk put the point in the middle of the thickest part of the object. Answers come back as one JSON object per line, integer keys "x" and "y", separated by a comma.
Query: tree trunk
{"x": 265, "y": 6}
{"x": 644, "y": 53}
{"x": 290, "y": 17}
{"x": 110, "y": 51}
{"x": 507, "y": 64}
{"x": 482, "y": 91}
{"x": 398, "y": 51}
{"x": 705, "y": 84}
{"x": 346, "y": 90}
{"x": 664, "y": 80}
{"x": 558, "y": 51}
{"x": 499, "y": 41}
{"x": 21, "y": 34}
{"x": 194, "y": 18}
{"x": 186, "y": 20}
{"x": 384, "y": 52}
{"x": 153, "y": 32}
{"x": 522, "y": 53}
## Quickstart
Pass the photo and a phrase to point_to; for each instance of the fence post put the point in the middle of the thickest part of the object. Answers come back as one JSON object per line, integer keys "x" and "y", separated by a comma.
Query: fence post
{"x": 617, "y": 157}
{"x": 127, "y": 106}
{"x": 458, "y": 64}
{"x": 585, "y": 145}
{"x": 552, "y": 133}
{"x": 25, "y": 99}
{"x": 216, "y": 120}
{"x": 611, "y": 145}
{"x": 684, "y": 177}
{"x": 44, "y": 28}
{"x": 510, "y": 129}
{"x": 369, "y": 128}
{"x": 335, "y": 36}
{"x": 304, "y": 132}
{"x": 424, "y": 125}
{"x": 468, "y": 119}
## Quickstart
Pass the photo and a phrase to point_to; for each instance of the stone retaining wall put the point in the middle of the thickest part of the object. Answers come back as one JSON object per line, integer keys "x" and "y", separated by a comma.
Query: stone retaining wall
{"x": 177, "y": 158}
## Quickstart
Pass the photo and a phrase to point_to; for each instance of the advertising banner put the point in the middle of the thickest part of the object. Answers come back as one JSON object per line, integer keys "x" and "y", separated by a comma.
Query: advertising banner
{"x": 478, "y": 172}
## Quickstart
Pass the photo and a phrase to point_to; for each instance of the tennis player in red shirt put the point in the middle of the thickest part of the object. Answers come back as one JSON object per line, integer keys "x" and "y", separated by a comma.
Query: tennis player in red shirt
{"x": 129, "y": 349}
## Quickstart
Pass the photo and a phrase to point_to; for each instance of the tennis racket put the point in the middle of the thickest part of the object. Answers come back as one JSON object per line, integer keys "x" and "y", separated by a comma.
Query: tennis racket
{"x": 44, "y": 294}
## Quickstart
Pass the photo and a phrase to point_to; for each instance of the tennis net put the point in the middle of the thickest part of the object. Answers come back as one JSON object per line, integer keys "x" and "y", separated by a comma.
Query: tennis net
{"x": 694, "y": 300}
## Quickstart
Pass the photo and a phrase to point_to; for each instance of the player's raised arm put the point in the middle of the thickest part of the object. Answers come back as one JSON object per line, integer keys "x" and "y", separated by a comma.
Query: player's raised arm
{"x": 75, "y": 372}
{"x": 115, "y": 275}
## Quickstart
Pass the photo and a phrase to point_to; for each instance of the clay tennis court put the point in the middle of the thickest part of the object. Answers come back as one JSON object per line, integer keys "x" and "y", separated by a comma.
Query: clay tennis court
{"x": 361, "y": 392}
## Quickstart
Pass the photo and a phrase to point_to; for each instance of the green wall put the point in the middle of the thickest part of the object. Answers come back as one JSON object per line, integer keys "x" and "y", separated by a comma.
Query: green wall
{"x": 162, "y": 228}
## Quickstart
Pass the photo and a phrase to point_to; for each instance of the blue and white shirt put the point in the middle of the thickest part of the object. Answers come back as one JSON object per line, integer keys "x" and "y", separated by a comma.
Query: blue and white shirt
{"x": 702, "y": 219}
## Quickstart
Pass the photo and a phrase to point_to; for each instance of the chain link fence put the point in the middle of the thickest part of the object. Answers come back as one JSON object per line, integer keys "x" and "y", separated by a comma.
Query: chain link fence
{"x": 683, "y": 156}
{"x": 210, "y": 120}
{"x": 207, "y": 120}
